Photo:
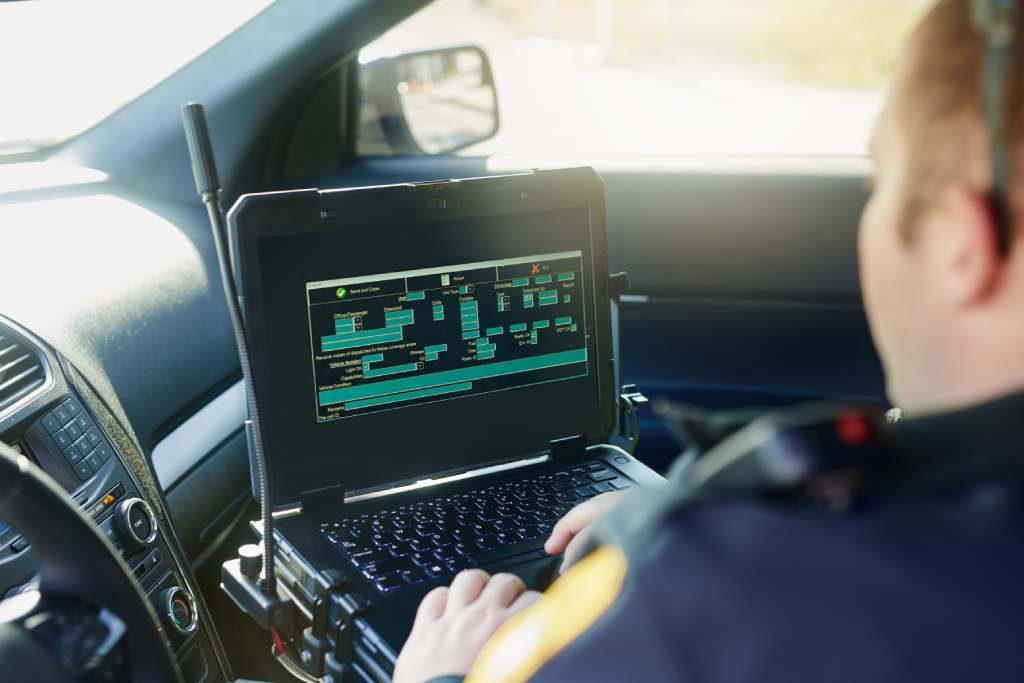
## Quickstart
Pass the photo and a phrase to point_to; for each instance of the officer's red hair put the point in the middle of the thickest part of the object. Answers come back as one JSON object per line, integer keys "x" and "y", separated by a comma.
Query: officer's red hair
{"x": 938, "y": 108}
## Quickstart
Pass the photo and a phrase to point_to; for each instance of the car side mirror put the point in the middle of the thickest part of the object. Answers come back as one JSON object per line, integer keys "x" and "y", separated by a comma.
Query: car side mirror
{"x": 430, "y": 102}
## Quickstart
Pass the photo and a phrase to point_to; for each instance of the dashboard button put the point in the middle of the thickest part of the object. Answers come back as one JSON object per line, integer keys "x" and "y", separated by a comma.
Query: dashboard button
{"x": 94, "y": 461}
{"x": 83, "y": 422}
{"x": 73, "y": 431}
{"x": 94, "y": 436}
{"x": 19, "y": 544}
{"x": 72, "y": 454}
{"x": 178, "y": 610}
{"x": 62, "y": 439}
{"x": 135, "y": 523}
{"x": 83, "y": 447}
{"x": 72, "y": 406}
{"x": 62, "y": 414}
{"x": 104, "y": 451}
{"x": 51, "y": 424}
{"x": 84, "y": 470}
{"x": 107, "y": 529}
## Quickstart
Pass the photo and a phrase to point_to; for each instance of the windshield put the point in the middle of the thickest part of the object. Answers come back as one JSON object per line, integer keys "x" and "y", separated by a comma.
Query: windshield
{"x": 68, "y": 65}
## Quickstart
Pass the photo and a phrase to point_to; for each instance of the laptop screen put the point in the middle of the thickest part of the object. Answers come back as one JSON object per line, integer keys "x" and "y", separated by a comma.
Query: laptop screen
{"x": 399, "y": 344}
{"x": 446, "y": 332}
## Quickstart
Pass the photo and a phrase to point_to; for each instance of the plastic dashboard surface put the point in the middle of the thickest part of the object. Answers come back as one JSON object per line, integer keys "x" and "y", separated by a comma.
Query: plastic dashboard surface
{"x": 61, "y": 432}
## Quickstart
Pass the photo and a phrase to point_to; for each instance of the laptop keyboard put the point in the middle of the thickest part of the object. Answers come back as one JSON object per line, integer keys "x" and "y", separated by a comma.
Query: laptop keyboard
{"x": 501, "y": 524}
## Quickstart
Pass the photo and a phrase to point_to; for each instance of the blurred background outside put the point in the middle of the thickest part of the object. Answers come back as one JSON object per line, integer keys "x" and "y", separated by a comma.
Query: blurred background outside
{"x": 675, "y": 77}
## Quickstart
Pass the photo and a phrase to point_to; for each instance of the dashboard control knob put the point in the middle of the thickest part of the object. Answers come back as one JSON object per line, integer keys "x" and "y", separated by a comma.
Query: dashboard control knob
{"x": 178, "y": 610}
{"x": 250, "y": 560}
{"x": 136, "y": 524}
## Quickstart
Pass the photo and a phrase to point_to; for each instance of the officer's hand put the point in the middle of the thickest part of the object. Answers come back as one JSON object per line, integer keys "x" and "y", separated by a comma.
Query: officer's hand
{"x": 453, "y": 624}
{"x": 567, "y": 536}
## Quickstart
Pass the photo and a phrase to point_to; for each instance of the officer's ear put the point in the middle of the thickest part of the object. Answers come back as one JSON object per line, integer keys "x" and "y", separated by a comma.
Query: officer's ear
{"x": 961, "y": 247}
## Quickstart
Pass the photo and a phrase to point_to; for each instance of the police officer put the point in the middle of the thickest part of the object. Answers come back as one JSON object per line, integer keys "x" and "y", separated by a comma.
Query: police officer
{"x": 814, "y": 545}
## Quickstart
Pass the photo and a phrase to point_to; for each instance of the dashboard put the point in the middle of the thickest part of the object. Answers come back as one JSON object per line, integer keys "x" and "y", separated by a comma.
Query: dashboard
{"x": 50, "y": 414}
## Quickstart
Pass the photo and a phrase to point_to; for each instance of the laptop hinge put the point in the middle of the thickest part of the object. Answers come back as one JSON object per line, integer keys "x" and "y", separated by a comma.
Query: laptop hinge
{"x": 332, "y": 497}
{"x": 568, "y": 448}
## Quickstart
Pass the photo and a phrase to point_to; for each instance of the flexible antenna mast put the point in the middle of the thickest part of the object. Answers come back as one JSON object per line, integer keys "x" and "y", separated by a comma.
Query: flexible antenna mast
{"x": 204, "y": 169}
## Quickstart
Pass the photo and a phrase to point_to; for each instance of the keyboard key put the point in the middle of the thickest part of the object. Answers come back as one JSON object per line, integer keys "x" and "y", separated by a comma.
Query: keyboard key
{"x": 619, "y": 484}
{"x": 436, "y": 570}
{"x": 399, "y": 550}
{"x": 602, "y": 487}
{"x": 420, "y": 545}
{"x": 364, "y": 557}
{"x": 602, "y": 475}
{"x": 506, "y": 537}
{"x": 458, "y": 564}
{"x": 414, "y": 575}
{"x": 423, "y": 559}
{"x": 584, "y": 491}
{"x": 384, "y": 568}
{"x": 386, "y": 584}
{"x": 523, "y": 548}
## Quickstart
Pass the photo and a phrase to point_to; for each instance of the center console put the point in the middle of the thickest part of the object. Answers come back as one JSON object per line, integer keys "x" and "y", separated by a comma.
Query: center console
{"x": 48, "y": 416}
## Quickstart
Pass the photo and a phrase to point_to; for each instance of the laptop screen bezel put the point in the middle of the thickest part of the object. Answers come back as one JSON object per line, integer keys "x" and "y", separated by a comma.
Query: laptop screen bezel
{"x": 255, "y": 218}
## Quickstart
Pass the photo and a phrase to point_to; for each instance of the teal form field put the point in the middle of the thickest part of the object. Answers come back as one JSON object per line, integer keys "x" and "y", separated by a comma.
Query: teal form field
{"x": 399, "y": 318}
{"x": 353, "y": 340}
{"x": 408, "y": 396}
{"x": 395, "y": 370}
{"x": 437, "y": 379}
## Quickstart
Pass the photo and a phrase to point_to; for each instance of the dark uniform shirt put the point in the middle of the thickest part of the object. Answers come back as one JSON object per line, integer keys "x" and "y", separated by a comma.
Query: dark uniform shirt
{"x": 921, "y": 583}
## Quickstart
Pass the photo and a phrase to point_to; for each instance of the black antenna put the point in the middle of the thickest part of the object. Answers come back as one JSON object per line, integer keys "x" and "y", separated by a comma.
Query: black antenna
{"x": 200, "y": 150}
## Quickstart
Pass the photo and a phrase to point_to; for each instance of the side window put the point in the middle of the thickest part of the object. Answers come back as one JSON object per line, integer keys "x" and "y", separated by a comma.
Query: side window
{"x": 669, "y": 77}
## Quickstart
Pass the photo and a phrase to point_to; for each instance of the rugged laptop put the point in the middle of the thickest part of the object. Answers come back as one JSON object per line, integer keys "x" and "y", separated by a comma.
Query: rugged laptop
{"x": 434, "y": 368}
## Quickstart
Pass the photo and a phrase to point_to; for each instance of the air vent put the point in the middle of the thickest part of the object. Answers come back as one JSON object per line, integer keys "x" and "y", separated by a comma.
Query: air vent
{"x": 21, "y": 369}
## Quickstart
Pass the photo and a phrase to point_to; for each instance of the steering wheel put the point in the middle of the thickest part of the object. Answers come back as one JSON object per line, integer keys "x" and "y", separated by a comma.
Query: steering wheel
{"x": 88, "y": 620}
